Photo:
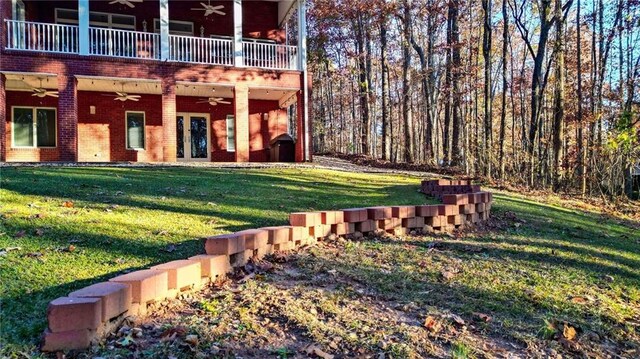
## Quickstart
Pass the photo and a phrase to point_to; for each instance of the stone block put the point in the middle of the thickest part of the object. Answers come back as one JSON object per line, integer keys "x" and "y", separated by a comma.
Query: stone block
{"x": 146, "y": 284}
{"x": 115, "y": 298}
{"x": 182, "y": 273}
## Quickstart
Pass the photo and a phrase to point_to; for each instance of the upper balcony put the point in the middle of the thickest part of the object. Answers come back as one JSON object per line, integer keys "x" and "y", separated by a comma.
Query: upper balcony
{"x": 238, "y": 34}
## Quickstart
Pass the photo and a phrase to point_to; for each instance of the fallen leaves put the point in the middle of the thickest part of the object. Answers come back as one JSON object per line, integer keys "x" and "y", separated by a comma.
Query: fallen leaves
{"x": 569, "y": 332}
{"x": 68, "y": 204}
{"x": 315, "y": 350}
{"x": 432, "y": 324}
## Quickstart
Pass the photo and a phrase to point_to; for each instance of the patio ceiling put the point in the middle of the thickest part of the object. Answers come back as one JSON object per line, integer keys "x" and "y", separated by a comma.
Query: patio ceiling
{"x": 26, "y": 81}
{"x": 113, "y": 84}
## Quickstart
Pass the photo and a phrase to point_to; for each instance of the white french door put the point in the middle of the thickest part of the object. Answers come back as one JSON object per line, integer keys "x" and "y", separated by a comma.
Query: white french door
{"x": 193, "y": 137}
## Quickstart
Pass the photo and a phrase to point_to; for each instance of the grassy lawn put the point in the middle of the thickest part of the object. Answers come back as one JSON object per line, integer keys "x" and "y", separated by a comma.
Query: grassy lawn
{"x": 65, "y": 228}
{"x": 520, "y": 285}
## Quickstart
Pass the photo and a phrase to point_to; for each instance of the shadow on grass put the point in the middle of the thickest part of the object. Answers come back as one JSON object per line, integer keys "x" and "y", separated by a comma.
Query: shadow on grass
{"x": 242, "y": 198}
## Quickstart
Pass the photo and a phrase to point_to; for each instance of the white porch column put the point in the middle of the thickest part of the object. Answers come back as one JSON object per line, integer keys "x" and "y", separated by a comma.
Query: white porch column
{"x": 14, "y": 12}
{"x": 238, "y": 54}
{"x": 302, "y": 66}
{"x": 83, "y": 26}
{"x": 164, "y": 30}
{"x": 302, "y": 35}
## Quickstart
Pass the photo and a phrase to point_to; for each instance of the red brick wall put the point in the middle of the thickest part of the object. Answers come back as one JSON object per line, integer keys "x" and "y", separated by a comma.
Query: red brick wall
{"x": 20, "y": 98}
{"x": 260, "y": 132}
{"x": 260, "y": 18}
{"x": 102, "y": 137}
{"x": 3, "y": 114}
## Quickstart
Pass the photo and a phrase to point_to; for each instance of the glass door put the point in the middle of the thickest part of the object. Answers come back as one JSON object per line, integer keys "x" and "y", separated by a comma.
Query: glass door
{"x": 192, "y": 137}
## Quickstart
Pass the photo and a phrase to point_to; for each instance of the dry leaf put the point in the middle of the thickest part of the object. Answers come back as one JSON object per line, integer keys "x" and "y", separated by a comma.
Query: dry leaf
{"x": 579, "y": 300}
{"x": 446, "y": 275}
{"x": 432, "y": 324}
{"x": 71, "y": 248}
{"x": 19, "y": 234}
{"x": 67, "y": 204}
{"x": 173, "y": 332}
{"x": 315, "y": 350}
{"x": 569, "y": 332}
{"x": 191, "y": 339}
{"x": 484, "y": 317}
{"x": 39, "y": 232}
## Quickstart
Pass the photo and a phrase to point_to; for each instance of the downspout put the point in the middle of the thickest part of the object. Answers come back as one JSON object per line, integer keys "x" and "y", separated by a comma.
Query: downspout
{"x": 302, "y": 65}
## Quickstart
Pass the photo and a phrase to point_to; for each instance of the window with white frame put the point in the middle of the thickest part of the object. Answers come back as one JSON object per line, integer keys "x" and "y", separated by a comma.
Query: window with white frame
{"x": 20, "y": 14}
{"x": 97, "y": 19}
{"x": 33, "y": 127}
{"x": 175, "y": 27}
{"x": 231, "y": 133}
{"x": 135, "y": 130}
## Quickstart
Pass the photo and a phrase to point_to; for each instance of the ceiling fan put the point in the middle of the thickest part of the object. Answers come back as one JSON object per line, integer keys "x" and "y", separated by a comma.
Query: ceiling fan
{"x": 123, "y": 96}
{"x": 210, "y": 9}
{"x": 214, "y": 101}
{"x": 125, "y": 2}
{"x": 43, "y": 92}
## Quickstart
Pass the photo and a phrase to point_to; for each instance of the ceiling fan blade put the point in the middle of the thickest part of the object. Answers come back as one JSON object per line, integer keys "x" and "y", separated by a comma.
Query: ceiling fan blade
{"x": 52, "y": 94}
{"x": 198, "y": 9}
{"x": 208, "y": 12}
{"x": 224, "y": 102}
{"x": 213, "y": 103}
{"x": 120, "y": 99}
{"x": 217, "y": 7}
{"x": 219, "y": 12}
{"x": 114, "y": 2}
{"x": 133, "y": 99}
{"x": 121, "y": 93}
{"x": 129, "y": 4}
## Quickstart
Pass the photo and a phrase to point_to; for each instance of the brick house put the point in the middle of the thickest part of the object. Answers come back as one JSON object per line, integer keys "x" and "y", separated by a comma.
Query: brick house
{"x": 154, "y": 81}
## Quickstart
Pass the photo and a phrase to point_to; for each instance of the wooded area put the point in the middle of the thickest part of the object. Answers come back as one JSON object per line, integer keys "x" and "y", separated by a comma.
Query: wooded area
{"x": 540, "y": 93}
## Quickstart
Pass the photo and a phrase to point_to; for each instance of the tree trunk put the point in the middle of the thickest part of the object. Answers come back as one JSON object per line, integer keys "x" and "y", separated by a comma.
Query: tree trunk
{"x": 383, "y": 61}
{"x": 503, "y": 112}
{"x": 582, "y": 153}
{"x": 363, "y": 87}
{"x": 488, "y": 108}
{"x": 456, "y": 158}
{"x": 406, "y": 85}
{"x": 558, "y": 116}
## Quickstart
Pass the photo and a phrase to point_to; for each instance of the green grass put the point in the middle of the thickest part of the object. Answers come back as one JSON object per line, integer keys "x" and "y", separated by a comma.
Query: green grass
{"x": 127, "y": 218}
{"x": 538, "y": 268}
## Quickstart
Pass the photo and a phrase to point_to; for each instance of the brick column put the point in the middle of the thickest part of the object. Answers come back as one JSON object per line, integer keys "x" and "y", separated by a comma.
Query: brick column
{"x": 67, "y": 118}
{"x": 241, "y": 115}
{"x": 309, "y": 115}
{"x": 3, "y": 119}
{"x": 5, "y": 13}
{"x": 300, "y": 127}
{"x": 169, "y": 149}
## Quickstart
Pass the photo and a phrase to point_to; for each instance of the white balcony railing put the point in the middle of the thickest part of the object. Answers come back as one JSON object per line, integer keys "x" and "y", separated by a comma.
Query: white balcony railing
{"x": 124, "y": 43}
{"x": 35, "y": 36}
{"x": 201, "y": 50}
{"x": 270, "y": 56}
{"x": 43, "y": 37}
